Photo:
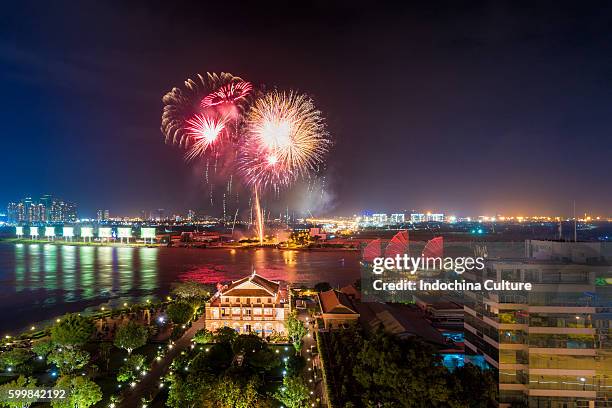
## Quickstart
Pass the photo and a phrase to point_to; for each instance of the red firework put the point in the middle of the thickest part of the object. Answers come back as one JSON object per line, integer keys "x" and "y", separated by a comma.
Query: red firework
{"x": 228, "y": 93}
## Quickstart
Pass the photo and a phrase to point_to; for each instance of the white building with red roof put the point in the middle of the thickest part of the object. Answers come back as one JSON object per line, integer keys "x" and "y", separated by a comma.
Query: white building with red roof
{"x": 252, "y": 304}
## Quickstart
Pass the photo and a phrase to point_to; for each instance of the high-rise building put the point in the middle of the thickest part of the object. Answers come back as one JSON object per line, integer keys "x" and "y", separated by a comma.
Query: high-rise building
{"x": 190, "y": 215}
{"x": 398, "y": 218}
{"x": 102, "y": 215}
{"x": 144, "y": 215}
{"x": 47, "y": 209}
{"x": 551, "y": 345}
{"x": 15, "y": 213}
{"x": 434, "y": 217}
{"x": 58, "y": 210}
{"x": 379, "y": 219}
{"x": 417, "y": 217}
{"x": 47, "y": 201}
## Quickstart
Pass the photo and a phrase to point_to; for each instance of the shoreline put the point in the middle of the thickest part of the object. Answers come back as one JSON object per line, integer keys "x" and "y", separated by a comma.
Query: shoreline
{"x": 158, "y": 245}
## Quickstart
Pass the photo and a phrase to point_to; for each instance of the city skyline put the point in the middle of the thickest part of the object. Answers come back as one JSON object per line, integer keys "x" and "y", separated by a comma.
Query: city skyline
{"x": 477, "y": 120}
{"x": 153, "y": 212}
{"x": 156, "y": 213}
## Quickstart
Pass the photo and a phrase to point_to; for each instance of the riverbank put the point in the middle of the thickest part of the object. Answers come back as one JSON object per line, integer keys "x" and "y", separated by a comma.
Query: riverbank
{"x": 182, "y": 245}
{"x": 77, "y": 243}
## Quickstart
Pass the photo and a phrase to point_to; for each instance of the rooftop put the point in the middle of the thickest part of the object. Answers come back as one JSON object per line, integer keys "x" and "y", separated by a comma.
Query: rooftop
{"x": 335, "y": 302}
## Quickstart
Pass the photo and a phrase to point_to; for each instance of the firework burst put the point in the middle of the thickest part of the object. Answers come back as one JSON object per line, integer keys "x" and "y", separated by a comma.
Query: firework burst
{"x": 231, "y": 93}
{"x": 285, "y": 139}
{"x": 219, "y": 97}
{"x": 203, "y": 132}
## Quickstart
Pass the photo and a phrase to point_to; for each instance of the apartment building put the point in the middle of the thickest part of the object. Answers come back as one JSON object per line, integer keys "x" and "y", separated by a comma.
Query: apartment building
{"x": 551, "y": 345}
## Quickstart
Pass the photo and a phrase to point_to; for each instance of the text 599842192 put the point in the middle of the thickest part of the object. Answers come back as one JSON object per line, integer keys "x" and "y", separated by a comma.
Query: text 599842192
{"x": 33, "y": 394}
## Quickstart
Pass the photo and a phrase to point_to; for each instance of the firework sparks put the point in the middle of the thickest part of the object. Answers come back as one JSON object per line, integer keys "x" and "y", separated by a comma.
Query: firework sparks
{"x": 224, "y": 92}
{"x": 203, "y": 132}
{"x": 285, "y": 140}
{"x": 228, "y": 93}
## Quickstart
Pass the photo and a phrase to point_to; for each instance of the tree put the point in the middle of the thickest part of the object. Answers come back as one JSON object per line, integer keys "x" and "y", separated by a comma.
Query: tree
{"x": 231, "y": 392}
{"x": 21, "y": 383}
{"x": 14, "y": 359}
{"x": 188, "y": 391}
{"x": 180, "y": 312}
{"x": 191, "y": 290}
{"x": 68, "y": 360}
{"x": 294, "y": 393}
{"x": 247, "y": 343}
{"x": 131, "y": 336}
{"x": 398, "y": 372}
{"x": 225, "y": 335}
{"x": 203, "y": 336}
{"x": 216, "y": 360}
{"x": 322, "y": 287}
{"x": 81, "y": 392}
{"x": 474, "y": 387}
{"x": 42, "y": 348}
{"x": 72, "y": 330}
{"x": 131, "y": 369}
{"x": 296, "y": 330}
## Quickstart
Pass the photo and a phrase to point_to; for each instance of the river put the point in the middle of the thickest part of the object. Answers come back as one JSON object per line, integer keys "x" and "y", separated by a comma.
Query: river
{"x": 39, "y": 282}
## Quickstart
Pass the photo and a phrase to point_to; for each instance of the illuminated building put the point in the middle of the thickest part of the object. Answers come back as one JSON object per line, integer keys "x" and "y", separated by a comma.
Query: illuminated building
{"x": 62, "y": 211}
{"x": 379, "y": 219}
{"x": 398, "y": 218}
{"x": 252, "y": 304}
{"x": 102, "y": 215}
{"x": 417, "y": 217}
{"x": 190, "y": 215}
{"x": 45, "y": 210}
{"x": 35, "y": 212}
{"x": 550, "y": 345}
{"x": 15, "y": 213}
{"x": 435, "y": 217}
{"x": 337, "y": 310}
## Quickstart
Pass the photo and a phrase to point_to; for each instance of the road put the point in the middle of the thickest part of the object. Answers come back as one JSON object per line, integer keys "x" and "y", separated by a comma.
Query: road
{"x": 149, "y": 385}
{"x": 313, "y": 366}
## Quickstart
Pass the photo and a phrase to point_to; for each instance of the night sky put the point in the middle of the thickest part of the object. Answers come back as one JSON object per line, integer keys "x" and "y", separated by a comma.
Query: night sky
{"x": 476, "y": 109}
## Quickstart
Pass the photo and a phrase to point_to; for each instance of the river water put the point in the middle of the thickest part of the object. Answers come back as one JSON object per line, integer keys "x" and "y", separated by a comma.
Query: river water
{"x": 39, "y": 282}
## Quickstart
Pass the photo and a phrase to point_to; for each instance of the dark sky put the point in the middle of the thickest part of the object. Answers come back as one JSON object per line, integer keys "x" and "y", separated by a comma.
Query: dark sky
{"x": 481, "y": 108}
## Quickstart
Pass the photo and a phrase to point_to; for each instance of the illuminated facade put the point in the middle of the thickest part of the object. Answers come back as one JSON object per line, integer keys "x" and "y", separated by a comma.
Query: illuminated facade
{"x": 398, "y": 218}
{"x": 47, "y": 209}
{"x": 417, "y": 217}
{"x": 102, "y": 215}
{"x": 252, "y": 304}
{"x": 551, "y": 346}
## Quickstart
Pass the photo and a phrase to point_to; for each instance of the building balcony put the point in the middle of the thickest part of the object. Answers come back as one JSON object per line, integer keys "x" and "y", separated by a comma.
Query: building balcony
{"x": 238, "y": 317}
